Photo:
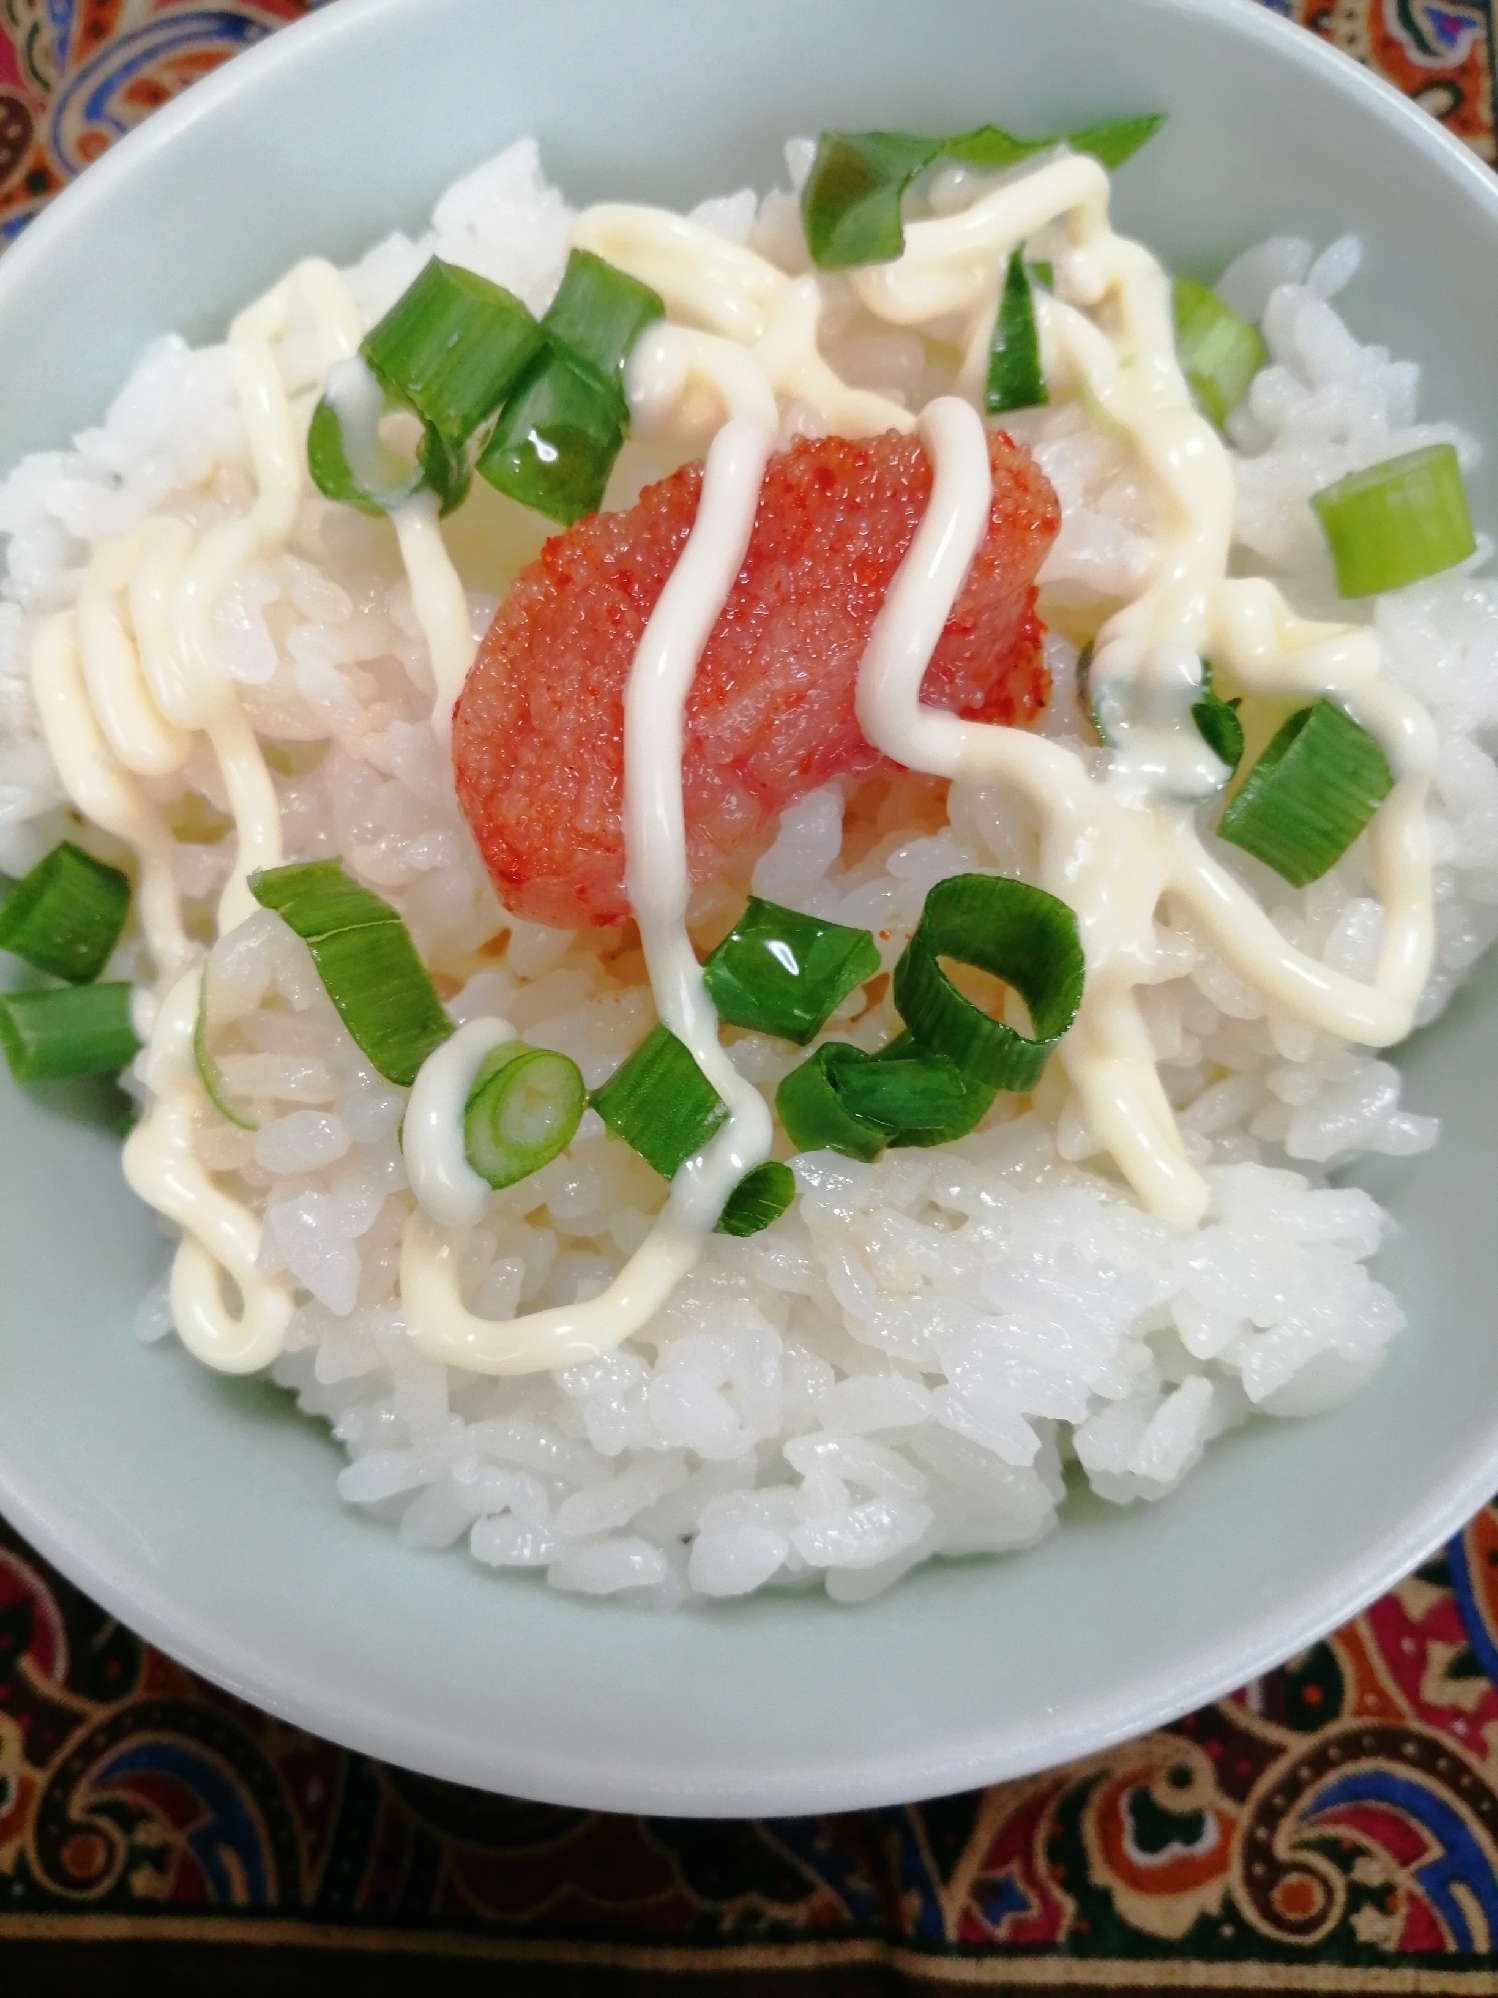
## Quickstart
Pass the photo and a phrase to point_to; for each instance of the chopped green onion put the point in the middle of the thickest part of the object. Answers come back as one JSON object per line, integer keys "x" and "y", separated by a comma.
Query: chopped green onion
{"x": 1397, "y": 522}
{"x": 1018, "y": 933}
{"x": 366, "y": 961}
{"x": 989, "y": 147}
{"x": 558, "y": 436}
{"x": 209, "y": 1073}
{"x": 66, "y": 916}
{"x": 1110, "y": 144}
{"x": 1085, "y": 699}
{"x": 843, "y": 1100}
{"x": 67, "y": 1030}
{"x": 850, "y": 204}
{"x": 1116, "y": 139}
{"x": 778, "y": 972}
{"x": 760, "y": 1197}
{"x": 810, "y": 1106}
{"x": 597, "y": 316}
{"x": 1219, "y": 353}
{"x": 1014, "y": 377}
{"x": 1217, "y": 722}
{"x": 1310, "y": 794}
{"x": 385, "y": 483}
{"x": 451, "y": 348}
{"x": 556, "y": 440}
{"x": 968, "y": 1109}
{"x": 523, "y": 1108}
{"x": 903, "y": 1094}
{"x": 1044, "y": 274}
{"x": 661, "y": 1103}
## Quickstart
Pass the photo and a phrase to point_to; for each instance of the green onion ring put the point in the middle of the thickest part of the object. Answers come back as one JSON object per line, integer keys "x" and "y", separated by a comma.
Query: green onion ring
{"x": 523, "y": 1110}
{"x": 209, "y": 1073}
{"x": 366, "y": 960}
{"x": 68, "y": 1030}
{"x": 1310, "y": 794}
{"x": 760, "y": 1197}
{"x": 659, "y": 1101}
{"x": 1018, "y": 933}
{"x": 66, "y": 915}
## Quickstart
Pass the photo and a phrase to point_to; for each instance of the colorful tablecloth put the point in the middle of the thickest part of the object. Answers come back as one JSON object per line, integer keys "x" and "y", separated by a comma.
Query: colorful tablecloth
{"x": 1331, "y": 1828}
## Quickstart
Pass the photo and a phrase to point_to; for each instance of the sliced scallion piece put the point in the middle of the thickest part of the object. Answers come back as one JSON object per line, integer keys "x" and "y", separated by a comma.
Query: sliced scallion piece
{"x": 968, "y": 1108}
{"x": 1219, "y": 353}
{"x": 597, "y": 316}
{"x": 659, "y": 1101}
{"x": 523, "y": 1109}
{"x": 66, "y": 915}
{"x": 1217, "y": 722}
{"x": 209, "y": 1073}
{"x": 1110, "y": 143}
{"x": 366, "y": 961}
{"x": 67, "y": 1030}
{"x": 559, "y": 434}
{"x": 451, "y": 348}
{"x": 1397, "y": 522}
{"x": 850, "y": 203}
{"x": 760, "y": 1197}
{"x": 779, "y": 972}
{"x": 382, "y": 481}
{"x": 1116, "y": 139}
{"x": 905, "y": 1093}
{"x": 1018, "y": 933}
{"x": 844, "y": 1100}
{"x": 1085, "y": 698}
{"x": 1310, "y": 794}
{"x": 1014, "y": 377}
{"x": 556, "y": 440}
{"x": 810, "y": 1106}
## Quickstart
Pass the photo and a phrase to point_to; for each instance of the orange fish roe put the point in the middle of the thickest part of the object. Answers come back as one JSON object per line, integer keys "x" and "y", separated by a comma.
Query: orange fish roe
{"x": 538, "y": 733}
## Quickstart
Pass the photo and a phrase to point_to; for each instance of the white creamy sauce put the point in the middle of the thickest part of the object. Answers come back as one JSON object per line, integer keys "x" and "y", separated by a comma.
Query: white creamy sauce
{"x": 659, "y": 887}
{"x": 444, "y": 1183}
{"x": 440, "y": 603}
{"x": 743, "y": 299}
{"x": 122, "y": 683}
{"x": 125, "y": 680}
{"x": 437, "y": 592}
{"x": 219, "y": 1237}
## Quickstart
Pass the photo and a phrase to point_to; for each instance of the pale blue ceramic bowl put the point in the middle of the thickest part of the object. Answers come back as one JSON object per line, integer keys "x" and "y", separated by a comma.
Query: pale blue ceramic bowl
{"x": 202, "y": 1510}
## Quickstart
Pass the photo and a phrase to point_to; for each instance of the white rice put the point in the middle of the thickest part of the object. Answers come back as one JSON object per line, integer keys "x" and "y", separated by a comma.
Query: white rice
{"x": 917, "y": 1358}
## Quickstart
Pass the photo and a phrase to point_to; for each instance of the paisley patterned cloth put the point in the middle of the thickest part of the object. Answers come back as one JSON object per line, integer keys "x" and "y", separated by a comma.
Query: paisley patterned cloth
{"x": 1331, "y": 1828}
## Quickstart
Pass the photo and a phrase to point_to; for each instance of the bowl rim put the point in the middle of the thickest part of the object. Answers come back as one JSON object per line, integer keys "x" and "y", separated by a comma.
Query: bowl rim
{"x": 1003, "y": 1751}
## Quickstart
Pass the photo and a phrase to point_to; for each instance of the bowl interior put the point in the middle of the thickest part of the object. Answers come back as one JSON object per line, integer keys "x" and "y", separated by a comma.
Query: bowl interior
{"x": 203, "y": 1510}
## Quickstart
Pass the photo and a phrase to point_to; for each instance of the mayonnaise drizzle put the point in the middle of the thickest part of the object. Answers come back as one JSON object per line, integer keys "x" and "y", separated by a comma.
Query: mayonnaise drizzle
{"x": 218, "y": 1234}
{"x": 150, "y": 683}
{"x": 444, "y": 1183}
{"x": 120, "y": 697}
{"x": 442, "y": 1326}
{"x": 126, "y": 679}
{"x": 744, "y": 300}
{"x": 102, "y": 790}
{"x": 1114, "y": 849}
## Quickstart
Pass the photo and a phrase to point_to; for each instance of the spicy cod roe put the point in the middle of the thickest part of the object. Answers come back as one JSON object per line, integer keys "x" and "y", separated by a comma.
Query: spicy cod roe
{"x": 538, "y": 733}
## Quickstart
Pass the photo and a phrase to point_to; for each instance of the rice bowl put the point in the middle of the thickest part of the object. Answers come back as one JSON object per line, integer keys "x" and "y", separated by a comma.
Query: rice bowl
{"x": 807, "y": 865}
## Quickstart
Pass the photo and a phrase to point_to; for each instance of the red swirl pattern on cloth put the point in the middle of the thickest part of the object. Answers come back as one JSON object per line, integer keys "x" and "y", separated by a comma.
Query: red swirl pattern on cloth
{"x": 1332, "y": 1827}
{"x": 1339, "y": 1815}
